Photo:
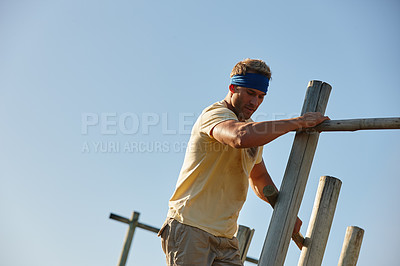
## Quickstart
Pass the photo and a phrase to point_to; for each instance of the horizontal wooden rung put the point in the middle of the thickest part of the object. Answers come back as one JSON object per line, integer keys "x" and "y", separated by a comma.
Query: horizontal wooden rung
{"x": 359, "y": 124}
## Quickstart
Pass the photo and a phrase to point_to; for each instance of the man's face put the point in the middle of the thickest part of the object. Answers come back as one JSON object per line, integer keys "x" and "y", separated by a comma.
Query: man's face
{"x": 246, "y": 101}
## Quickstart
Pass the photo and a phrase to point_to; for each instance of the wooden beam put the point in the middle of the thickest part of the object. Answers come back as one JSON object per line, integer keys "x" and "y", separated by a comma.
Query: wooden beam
{"x": 119, "y": 218}
{"x": 252, "y": 260}
{"x": 294, "y": 181}
{"x": 133, "y": 222}
{"x": 140, "y": 225}
{"x": 271, "y": 194}
{"x": 359, "y": 124}
{"x": 321, "y": 221}
{"x": 351, "y": 246}
{"x": 244, "y": 236}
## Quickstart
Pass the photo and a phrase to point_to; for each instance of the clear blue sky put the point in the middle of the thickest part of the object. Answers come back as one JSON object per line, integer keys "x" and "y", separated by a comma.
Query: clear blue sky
{"x": 131, "y": 77}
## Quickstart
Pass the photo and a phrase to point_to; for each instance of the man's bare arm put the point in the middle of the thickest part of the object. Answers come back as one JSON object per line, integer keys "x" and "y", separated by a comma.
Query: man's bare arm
{"x": 253, "y": 134}
{"x": 259, "y": 178}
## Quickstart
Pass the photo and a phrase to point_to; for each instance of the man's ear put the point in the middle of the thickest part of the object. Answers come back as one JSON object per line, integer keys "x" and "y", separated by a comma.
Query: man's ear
{"x": 232, "y": 88}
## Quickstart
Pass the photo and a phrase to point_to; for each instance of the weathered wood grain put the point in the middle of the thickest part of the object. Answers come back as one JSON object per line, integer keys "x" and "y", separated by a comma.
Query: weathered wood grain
{"x": 320, "y": 222}
{"x": 294, "y": 181}
{"x": 244, "y": 235}
{"x": 351, "y": 246}
{"x": 359, "y": 124}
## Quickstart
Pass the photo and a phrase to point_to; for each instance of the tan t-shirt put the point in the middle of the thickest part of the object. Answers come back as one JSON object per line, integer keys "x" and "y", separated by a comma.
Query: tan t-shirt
{"x": 213, "y": 182}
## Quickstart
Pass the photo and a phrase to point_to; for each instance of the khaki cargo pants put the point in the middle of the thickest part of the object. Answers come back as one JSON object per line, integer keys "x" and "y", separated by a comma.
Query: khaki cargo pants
{"x": 186, "y": 245}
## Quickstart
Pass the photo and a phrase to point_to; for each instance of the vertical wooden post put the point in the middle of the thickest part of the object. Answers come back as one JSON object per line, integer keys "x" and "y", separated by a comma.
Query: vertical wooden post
{"x": 320, "y": 222}
{"x": 351, "y": 246}
{"x": 244, "y": 236}
{"x": 294, "y": 181}
{"x": 133, "y": 222}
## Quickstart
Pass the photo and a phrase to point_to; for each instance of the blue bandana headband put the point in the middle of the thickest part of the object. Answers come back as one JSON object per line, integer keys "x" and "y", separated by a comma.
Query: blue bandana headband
{"x": 251, "y": 80}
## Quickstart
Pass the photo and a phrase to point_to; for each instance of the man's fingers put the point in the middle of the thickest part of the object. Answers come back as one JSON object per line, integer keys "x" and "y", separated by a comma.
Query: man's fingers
{"x": 313, "y": 119}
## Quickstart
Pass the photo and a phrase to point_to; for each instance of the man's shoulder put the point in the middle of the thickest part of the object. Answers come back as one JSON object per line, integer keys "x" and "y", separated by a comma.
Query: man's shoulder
{"x": 221, "y": 108}
{"x": 218, "y": 107}
{"x": 214, "y": 114}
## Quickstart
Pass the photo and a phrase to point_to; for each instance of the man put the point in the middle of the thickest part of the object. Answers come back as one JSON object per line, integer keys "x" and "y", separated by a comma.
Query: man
{"x": 223, "y": 157}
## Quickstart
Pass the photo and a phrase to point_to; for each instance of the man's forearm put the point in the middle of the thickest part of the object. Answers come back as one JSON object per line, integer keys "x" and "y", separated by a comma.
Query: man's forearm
{"x": 260, "y": 133}
{"x": 260, "y": 178}
{"x": 247, "y": 135}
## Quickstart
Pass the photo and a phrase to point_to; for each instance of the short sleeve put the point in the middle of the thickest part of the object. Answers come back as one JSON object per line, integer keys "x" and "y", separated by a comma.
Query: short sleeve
{"x": 259, "y": 154}
{"x": 213, "y": 116}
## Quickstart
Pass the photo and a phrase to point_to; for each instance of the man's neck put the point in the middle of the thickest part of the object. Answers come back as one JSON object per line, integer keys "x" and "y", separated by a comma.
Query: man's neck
{"x": 229, "y": 105}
